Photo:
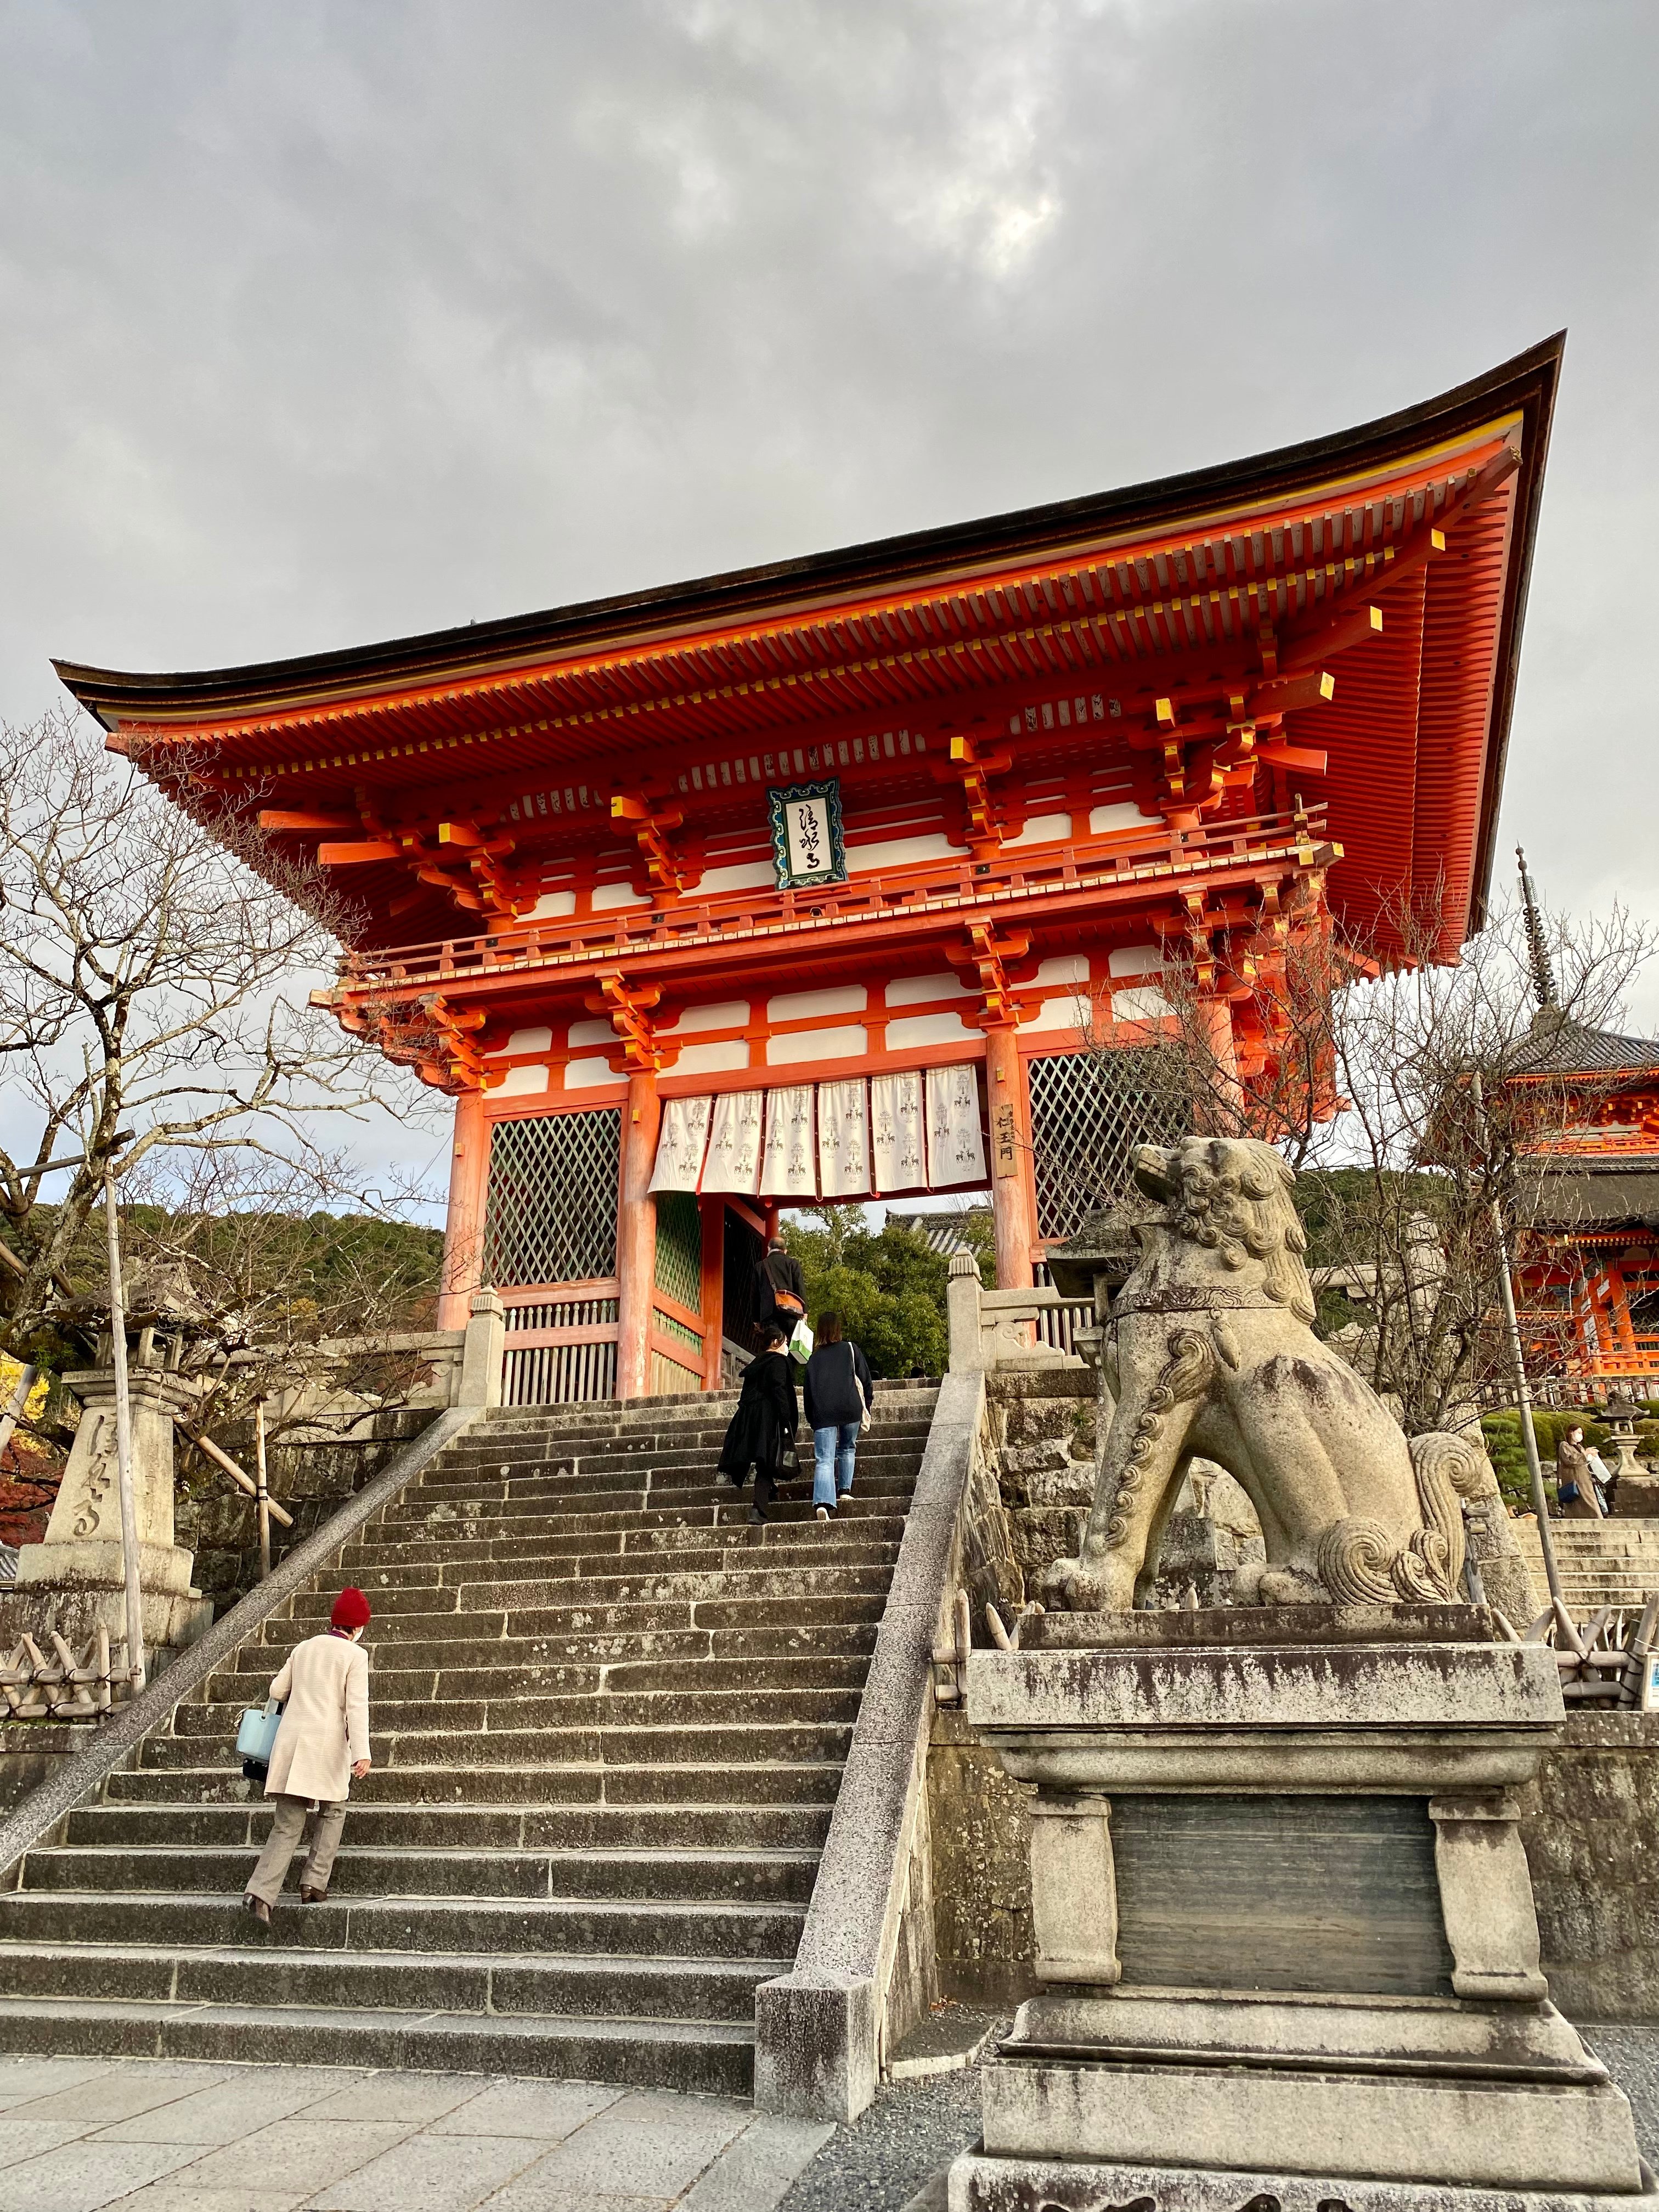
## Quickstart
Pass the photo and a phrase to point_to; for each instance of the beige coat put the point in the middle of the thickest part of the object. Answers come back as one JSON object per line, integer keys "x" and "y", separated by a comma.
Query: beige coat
{"x": 323, "y": 1686}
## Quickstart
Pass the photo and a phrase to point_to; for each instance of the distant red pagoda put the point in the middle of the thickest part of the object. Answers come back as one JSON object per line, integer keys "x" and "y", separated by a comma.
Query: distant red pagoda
{"x": 1595, "y": 1204}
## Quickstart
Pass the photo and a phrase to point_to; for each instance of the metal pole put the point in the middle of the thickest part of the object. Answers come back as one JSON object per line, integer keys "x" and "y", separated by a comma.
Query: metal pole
{"x": 118, "y": 1332}
{"x": 1518, "y": 1366}
{"x": 262, "y": 1491}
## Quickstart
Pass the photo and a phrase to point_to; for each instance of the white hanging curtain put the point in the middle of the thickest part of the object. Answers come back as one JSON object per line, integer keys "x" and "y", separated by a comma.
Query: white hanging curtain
{"x": 734, "y": 1145}
{"x": 680, "y": 1144}
{"x": 787, "y": 1169}
{"x": 896, "y": 1123}
{"x": 956, "y": 1145}
{"x": 844, "y": 1140}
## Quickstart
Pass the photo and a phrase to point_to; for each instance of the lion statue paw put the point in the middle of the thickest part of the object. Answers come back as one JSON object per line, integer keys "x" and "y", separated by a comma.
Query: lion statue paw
{"x": 1070, "y": 1586}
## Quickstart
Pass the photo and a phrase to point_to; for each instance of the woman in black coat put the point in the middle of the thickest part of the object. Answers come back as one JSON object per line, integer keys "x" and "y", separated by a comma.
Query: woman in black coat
{"x": 762, "y": 1434}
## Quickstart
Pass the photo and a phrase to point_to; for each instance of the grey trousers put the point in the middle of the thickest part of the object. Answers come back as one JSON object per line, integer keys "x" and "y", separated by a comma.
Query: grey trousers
{"x": 267, "y": 1878}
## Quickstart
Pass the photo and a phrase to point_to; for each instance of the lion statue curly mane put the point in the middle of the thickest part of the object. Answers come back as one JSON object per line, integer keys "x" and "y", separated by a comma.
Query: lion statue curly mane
{"x": 1210, "y": 1352}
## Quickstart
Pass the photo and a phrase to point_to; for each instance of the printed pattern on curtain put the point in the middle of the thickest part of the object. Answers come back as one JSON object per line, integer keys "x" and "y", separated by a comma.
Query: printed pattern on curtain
{"x": 956, "y": 1143}
{"x": 787, "y": 1169}
{"x": 844, "y": 1140}
{"x": 895, "y": 1120}
{"x": 680, "y": 1144}
{"x": 733, "y": 1161}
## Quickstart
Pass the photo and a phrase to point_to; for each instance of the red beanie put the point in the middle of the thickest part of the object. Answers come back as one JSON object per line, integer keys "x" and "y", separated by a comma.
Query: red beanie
{"x": 350, "y": 1609}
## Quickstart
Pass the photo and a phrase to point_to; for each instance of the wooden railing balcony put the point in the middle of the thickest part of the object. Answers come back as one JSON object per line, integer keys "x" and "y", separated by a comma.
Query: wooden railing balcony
{"x": 1093, "y": 867}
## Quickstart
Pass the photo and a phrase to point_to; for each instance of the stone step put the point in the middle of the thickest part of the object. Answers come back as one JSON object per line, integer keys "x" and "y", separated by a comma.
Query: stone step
{"x": 808, "y": 1539}
{"x": 434, "y": 1566}
{"x": 364, "y": 1871}
{"x": 761, "y": 1740}
{"x": 693, "y": 1928}
{"x": 873, "y": 1516}
{"x": 280, "y": 1971}
{"x": 245, "y": 1825}
{"x": 394, "y": 1719}
{"x": 458, "y": 1781}
{"x": 643, "y": 1585}
{"x": 552, "y": 1678}
{"x": 534, "y": 1622}
{"x": 711, "y": 2057}
{"x": 598, "y": 1648}
{"x": 549, "y": 1491}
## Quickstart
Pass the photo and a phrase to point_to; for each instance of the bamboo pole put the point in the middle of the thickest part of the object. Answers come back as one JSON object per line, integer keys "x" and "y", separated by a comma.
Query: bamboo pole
{"x": 118, "y": 1334}
{"x": 262, "y": 1488}
{"x": 238, "y": 1475}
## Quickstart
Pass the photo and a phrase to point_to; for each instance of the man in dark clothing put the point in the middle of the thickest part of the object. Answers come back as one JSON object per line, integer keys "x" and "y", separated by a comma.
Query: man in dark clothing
{"x": 761, "y": 1434}
{"x": 779, "y": 1288}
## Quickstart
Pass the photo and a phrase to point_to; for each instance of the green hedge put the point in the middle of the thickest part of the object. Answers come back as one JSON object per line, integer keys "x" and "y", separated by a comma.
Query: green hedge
{"x": 1549, "y": 1424}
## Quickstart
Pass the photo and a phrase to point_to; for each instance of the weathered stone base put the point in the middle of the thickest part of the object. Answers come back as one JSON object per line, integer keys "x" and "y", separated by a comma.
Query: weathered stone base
{"x": 978, "y": 2184}
{"x": 171, "y": 1619}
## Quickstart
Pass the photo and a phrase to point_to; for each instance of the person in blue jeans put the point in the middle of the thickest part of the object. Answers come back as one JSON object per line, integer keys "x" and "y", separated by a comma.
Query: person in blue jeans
{"x": 838, "y": 1389}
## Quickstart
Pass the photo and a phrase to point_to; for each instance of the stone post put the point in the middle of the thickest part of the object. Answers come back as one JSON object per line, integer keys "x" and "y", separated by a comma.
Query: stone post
{"x": 484, "y": 1352}
{"x": 73, "y": 1580}
{"x": 961, "y": 1301}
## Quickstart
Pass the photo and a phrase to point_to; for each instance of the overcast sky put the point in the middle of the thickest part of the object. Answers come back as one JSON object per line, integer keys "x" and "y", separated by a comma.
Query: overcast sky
{"x": 343, "y": 318}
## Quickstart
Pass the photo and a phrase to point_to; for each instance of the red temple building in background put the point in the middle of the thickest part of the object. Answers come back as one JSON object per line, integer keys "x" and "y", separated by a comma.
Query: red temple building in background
{"x": 853, "y": 876}
{"x": 1590, "y": 1285}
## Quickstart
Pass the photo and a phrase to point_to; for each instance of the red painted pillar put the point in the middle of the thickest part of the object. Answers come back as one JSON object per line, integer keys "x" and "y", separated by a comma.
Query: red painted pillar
{"x": 1013, "y": 1179}
{"x": 464, "y": 1224}
{"x": 636, "y": 1236}
{"x": 1227, "y": 1095}
{"x": 713, "y": 1209}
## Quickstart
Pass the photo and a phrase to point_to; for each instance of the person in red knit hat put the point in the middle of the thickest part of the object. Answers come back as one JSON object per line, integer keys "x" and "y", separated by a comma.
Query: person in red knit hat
{"x": 321, "y": 1748}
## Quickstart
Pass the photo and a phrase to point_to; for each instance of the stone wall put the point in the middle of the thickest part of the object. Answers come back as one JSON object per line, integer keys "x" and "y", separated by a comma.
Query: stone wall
{"x": 1592, "y": 1837}
{"x": 311, "y": 1477}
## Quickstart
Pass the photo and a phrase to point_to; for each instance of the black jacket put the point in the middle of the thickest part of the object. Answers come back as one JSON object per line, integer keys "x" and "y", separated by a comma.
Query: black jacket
{"x": 778, "y": 1271}
{"x": 762, "y": 1429}
{"x": 833, "y": 1375}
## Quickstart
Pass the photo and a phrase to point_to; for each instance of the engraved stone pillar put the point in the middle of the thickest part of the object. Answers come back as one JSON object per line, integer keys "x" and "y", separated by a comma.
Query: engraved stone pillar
{"x": 72, "y": 1580}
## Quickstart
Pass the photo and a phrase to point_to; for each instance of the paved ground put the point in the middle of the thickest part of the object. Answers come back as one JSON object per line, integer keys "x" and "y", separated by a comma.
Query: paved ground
{"x": 76, "y": 2135}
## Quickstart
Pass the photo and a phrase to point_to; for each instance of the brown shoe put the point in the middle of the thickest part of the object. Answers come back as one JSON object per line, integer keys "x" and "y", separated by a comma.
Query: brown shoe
{"x": 258, "y": 1908}
{"x": 313, "y": 1897}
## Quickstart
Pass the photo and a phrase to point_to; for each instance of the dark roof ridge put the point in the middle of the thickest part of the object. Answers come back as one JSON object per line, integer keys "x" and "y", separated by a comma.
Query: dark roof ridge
{"x": 498, "y": 645}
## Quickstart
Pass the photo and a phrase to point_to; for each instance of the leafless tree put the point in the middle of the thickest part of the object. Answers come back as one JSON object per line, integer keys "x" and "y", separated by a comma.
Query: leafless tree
{"x": 154, "y": 978}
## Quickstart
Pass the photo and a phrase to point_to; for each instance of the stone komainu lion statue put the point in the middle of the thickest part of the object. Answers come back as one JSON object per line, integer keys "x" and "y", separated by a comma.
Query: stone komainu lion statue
{"x": 1211, "y": 1353}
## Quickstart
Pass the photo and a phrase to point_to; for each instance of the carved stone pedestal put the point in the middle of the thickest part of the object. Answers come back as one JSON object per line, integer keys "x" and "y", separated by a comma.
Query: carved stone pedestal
{"x": 1285, "y": 1923}
{"x": 71, "y": 1581}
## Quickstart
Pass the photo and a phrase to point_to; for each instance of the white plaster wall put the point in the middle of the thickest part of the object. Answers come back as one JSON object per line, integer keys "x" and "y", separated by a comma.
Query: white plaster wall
{"x": 850, "y": 1043}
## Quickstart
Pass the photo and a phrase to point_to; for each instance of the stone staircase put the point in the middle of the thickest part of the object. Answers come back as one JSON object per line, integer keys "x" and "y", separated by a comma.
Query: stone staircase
{"x": 1613, "y": 1562}
{"x": 609, "y": 1723}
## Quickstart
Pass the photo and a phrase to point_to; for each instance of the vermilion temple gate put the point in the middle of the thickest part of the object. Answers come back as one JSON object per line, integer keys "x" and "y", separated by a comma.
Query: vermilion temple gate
{"x": 852, "y": 874}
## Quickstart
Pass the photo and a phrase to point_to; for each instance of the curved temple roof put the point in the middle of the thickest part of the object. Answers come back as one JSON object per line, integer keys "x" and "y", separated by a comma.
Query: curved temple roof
{"x": 1386, "y": 566}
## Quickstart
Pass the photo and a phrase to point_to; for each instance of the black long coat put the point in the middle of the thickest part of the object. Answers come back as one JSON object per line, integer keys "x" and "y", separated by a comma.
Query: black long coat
{"x": 761, "y": 1434}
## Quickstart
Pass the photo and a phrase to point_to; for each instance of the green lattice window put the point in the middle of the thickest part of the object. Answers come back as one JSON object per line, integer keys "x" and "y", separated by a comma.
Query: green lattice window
{"x": 679, "y": 1247}
{"x": 1088, "y": 1110}
{"x": 552, "y": 1212}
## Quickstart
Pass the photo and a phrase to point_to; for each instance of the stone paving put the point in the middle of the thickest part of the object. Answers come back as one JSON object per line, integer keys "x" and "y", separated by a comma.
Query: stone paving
{"x": 156, "y": 2136}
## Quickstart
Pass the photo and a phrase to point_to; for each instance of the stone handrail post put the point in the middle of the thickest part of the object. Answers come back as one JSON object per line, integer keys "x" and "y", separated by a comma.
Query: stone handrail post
{"x": 961, "y": 1303}
{"x": 484, "y": 1353}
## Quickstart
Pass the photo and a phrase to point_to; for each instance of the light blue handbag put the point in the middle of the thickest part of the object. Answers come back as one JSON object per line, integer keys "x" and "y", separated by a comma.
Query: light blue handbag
{"x": 256, "y": 1738}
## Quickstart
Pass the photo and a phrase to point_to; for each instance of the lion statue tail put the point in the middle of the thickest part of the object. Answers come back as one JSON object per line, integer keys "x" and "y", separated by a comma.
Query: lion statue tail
{"x": 1447, "y": 1468}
